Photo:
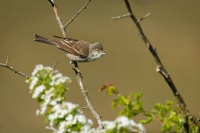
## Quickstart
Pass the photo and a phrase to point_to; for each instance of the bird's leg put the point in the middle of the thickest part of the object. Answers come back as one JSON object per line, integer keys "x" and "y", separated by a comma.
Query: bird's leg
{"x": 75, "y": 68}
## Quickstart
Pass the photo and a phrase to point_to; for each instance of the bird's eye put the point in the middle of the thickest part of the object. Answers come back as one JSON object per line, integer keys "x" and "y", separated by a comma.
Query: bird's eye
{"x": 97, "y": 49}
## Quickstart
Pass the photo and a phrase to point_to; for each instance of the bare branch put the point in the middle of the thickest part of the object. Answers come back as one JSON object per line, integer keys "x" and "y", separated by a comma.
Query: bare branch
{"x": 85, "y": 94}
{"x": 63, "y": 27}
{"x": 72, "y": 19}
{"x": 160, "y": 67}
{"x": 58, "y": 18}
{"x": 6, "y": 65}
{"x": 75, "y": 68}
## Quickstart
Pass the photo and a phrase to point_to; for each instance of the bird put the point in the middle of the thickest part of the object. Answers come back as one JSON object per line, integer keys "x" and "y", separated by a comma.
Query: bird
{"x": 75, "y": 50}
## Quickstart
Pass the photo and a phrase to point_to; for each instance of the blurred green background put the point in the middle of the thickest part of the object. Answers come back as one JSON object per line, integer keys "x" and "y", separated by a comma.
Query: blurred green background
{"x": 173, "y": 28}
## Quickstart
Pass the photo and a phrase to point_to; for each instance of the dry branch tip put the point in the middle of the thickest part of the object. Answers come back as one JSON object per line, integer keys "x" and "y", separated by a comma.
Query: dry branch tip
{"x": 52, "y": 3}
{"x": 145, "y": 16}
{"x": 55, "y": 64}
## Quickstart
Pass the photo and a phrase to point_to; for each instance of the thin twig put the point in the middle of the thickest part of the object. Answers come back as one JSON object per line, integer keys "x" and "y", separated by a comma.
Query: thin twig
{"x": 120, "y": 17}
{"x": 55, "y": 64}
{"x": 75, "y": 68}
{"x": 145, "y": 16}
{"x": 72, "y": 19}
{"x": 13, "y": 69}
{"x": 160, "y": 67}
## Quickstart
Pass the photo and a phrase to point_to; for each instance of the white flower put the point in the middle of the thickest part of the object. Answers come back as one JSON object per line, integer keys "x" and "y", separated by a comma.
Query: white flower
{"x": 52, "y": 83}
{"x": 81, "y": 118}
{"x": 52, "y": 117}
{"x": 56, "y": 76}
{"x": 43, "y": 109}
{"x": 37, "y": 112}
{"x": 37, "y": 68}
{"x": 59, "y": 79}
{"x": 123, "y": 121}
{"x": 47, "y": 98}
{"x": 48, "y": 68}
{"x": 70, "y": 106}
{"x": 69, "y": 117}
{"x": 33, "y": 83}
{"x": 38, "y": 90}
{"x": 62, "y": 127}
{"x": 62, "y": 113}
{"x": 56, "y": 107}
{"x": 87, "y": 127}
{"x": 55, "y": 101}
{"x": 110, "y": 125}
{"x": 141, "y": 128}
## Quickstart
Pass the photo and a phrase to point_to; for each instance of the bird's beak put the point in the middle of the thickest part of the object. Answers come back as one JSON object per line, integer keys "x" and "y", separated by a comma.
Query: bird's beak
{"x": 103, "y": 53}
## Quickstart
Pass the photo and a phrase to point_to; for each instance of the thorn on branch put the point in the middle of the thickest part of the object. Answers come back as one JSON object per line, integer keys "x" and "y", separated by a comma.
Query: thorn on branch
{"x": 162, "y": 71}
{"x": 7, "y": 59}
{"x": 85, "y": 107}
{"x": 139, "y": 35}
{"x": 158, "y": 69}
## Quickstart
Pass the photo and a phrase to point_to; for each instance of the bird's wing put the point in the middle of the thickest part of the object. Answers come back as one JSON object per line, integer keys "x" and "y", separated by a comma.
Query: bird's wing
{"x": 82, "y": 48}
{"x": 73, "y": 46}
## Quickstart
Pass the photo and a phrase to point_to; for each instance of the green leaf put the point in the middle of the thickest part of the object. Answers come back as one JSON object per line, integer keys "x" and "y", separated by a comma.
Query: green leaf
{"x": 147, "y": 121}
{"x": 111, "y": 90}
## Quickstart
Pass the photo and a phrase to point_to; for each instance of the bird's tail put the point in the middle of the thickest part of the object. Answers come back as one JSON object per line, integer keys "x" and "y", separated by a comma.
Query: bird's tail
{"x": 41, "y": 39}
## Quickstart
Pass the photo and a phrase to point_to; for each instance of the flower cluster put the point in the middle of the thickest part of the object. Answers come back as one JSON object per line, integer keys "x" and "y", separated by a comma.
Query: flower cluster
{"x": 69, "y": 118}
{"x": 49, "y": 87}
{"x": 123, "y": 125}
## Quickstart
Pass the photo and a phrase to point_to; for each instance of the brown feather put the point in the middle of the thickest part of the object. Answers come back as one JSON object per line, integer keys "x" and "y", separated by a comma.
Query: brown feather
{"x": 75, "y": 47}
